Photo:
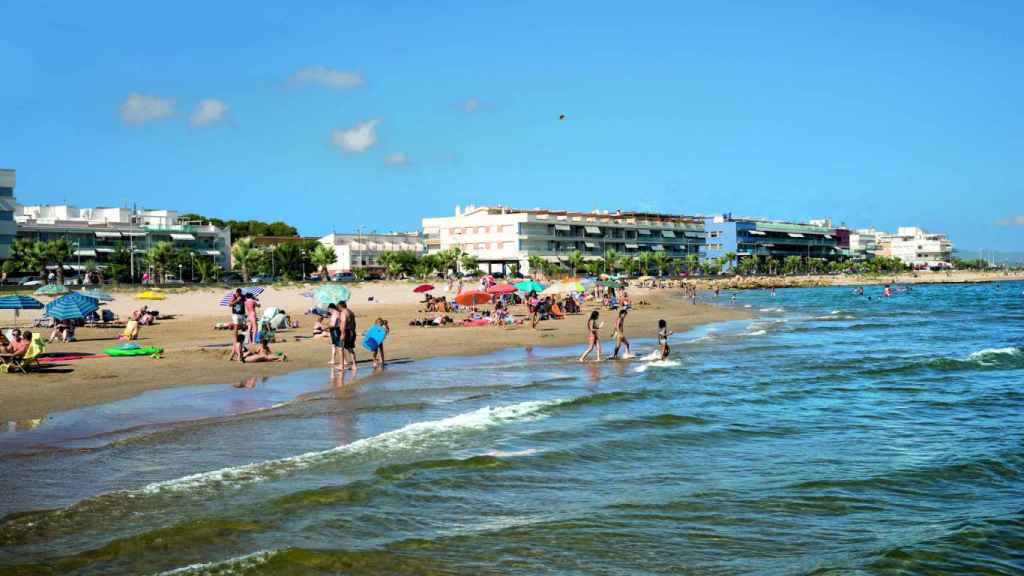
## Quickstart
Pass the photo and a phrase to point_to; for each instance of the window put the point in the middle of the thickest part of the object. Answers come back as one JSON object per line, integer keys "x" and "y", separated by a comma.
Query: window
{"x": 480, "y": 246}
{"x": 456, "y": 231}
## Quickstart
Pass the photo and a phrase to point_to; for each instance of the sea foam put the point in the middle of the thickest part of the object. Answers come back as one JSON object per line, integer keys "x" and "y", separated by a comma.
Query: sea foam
{"x": 407, "y": 437}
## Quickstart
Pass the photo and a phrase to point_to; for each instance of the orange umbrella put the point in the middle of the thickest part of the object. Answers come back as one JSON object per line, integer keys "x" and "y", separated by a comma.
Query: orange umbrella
{"x": 473, "y": 298}
{"x": 501, "y": 289}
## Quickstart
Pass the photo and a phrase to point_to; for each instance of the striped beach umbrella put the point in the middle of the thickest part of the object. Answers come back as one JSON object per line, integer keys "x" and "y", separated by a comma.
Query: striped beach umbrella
{"x": 331, "y": 293}
{"x": 98, "y": 295}
{"x": 254, "y": 290}
{"x": 19, "y": 303}
{"x": 70, "y": 306}
{"x": 51, "y": 290}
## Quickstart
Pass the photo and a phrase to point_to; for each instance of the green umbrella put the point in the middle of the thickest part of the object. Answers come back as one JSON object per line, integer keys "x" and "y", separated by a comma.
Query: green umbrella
{"x": 611, "y": 284}
{"x": 331, "y": 294}
{"x": 51, "y": 290}
{"x": 527, "y": 286}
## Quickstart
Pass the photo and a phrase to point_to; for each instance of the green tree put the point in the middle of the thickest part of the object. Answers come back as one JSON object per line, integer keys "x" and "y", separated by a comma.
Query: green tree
{"x": 576, "y": 259}
{"x": 247, "y": 257}
{"x": 207, "y": 270}
{"x": 288, "y": 260}
{"x": 660, "y": 261}
{"x": 791, "y": 264}
{"x": 730, "y": 259}
{"x": 611, "y": 261}
{"x": 644, "y": 261}
{"x": 322, "y": 257}
{"x": 469, "y": 263}
{"x": 57, "y": 253}
{"x": 29, "y": 256}
{"x": 161, "y": 258}
{"x": 431, "y": 262}
{"x": 629, "y": 265}
{"x": 692, "y": 262}
{"x": 513, "y": 269}
{"x": 536, "y": 264}
{"x": 423, "y": 270}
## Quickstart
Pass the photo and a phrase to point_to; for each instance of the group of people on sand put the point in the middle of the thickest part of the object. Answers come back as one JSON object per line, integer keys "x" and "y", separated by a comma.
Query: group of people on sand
{"x": 341, "y": 327}
{"x": 17, "y": 345}
{"x": 594, "y": 326}
{"x": 246, "y": 324}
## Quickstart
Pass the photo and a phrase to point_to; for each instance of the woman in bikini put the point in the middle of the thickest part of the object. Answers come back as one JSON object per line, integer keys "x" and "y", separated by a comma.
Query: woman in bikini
{"x": 593, "y": 327}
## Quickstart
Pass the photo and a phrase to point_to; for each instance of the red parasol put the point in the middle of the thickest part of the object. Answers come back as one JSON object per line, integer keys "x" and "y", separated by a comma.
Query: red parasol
{"x": 423, "y": 288}
{"x": 473, "y": 298}
{"x": 501, "y": 289}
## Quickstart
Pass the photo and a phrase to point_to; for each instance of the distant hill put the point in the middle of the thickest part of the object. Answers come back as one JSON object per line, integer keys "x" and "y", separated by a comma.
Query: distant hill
{"x": 991, "y": 255}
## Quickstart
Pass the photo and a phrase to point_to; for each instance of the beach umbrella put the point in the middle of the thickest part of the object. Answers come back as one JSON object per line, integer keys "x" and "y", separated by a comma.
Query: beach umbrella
{"x": 254, "y": 290}
{"x": 501, "y": 289}
{"x": 19, "y": 303}
{"x": 150, "y": 295}
{"x": 527, "y": 286}
{"x": 51, "y": 290}
{"x": 611, "y": 284}
{"x": 98, "y": 295}
{"x": 473, "y": 298}
{"x": 423, "y": 288}
{"x": 70, "y": 306}
{"x": 331, "y": 294}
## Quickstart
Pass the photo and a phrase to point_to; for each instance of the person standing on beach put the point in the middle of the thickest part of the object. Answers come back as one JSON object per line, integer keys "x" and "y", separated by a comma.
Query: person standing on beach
{"x": 620, "y": 335}
{"x": 348, "y": 336}
{"x": 378, "y": 354}
{"x": 334, "y": 329}
{"x": 593, "y": 328}
{"x": 237, "y": 305}
{"x": 250, "y": 316}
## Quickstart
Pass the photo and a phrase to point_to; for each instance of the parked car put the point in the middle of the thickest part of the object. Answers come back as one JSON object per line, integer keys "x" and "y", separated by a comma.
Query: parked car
{"x": 263, "y": 279}
{"x": 172, "y": 279}
{"x": 343, "y": 277}
{"x": 29, "y": 281}
{"x": 231, "y": 278}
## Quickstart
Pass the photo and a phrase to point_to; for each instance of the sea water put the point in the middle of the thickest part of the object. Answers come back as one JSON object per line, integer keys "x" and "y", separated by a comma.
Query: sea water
{"x": 830, "y": 434}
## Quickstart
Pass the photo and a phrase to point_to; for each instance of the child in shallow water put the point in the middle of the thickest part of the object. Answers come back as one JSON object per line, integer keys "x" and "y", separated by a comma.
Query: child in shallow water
{"x": 663, "y": 334}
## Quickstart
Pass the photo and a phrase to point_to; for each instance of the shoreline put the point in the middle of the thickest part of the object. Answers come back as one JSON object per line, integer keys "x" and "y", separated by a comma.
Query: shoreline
{"x": 195, "y": 354}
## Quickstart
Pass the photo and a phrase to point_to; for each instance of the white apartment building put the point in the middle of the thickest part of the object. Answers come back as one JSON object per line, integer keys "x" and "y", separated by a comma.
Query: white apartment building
{"x": 499, "y": 236}
{"x": 864, "y": 242}
{"x": 364, "y": 250}
{"x": 917, "y": 248}
{"x": 96, "y": 233}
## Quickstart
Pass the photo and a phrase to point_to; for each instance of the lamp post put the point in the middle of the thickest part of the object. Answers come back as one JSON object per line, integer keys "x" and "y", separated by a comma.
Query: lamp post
{"x": 179, "y": 274}
{"x": 192, "y": 264}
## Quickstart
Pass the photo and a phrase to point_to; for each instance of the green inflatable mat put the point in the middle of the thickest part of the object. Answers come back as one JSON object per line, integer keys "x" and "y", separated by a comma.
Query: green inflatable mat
{"x": 140, "y": 351}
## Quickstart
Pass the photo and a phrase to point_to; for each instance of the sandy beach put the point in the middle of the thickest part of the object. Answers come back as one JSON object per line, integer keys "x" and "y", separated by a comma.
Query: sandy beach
{"x": 196, "y": 353}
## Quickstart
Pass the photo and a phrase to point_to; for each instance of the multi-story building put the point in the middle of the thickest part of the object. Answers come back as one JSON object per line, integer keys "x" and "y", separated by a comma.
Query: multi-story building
{"x": 499, "y": 236}
{"x": 364, "y": 250}
{"x": 8, "y": 227}
{"x": 746, "y": 237}
{"x": 917, "y": 248}
{"x": 863, "y": 243}
{"x": 96, "y": 233}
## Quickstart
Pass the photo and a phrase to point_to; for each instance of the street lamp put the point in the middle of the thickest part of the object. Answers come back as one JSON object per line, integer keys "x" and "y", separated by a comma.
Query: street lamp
{"x": 179, "y": 274}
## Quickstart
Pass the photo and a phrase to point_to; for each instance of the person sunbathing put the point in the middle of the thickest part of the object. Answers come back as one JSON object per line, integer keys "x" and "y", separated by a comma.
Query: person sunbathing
{"x": 263, "y": 353}
{"x": 21, "y": 343}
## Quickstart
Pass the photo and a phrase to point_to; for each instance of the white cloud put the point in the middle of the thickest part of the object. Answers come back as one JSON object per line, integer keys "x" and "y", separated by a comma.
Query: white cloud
{"x": 360, "y": 138}
{"x": 209, "y": 111}
{"x": 337, "y": 79}
{"x": 397, "y": 159}
{"x": 140, "y": 108}
{"x": 1014, "y": 221}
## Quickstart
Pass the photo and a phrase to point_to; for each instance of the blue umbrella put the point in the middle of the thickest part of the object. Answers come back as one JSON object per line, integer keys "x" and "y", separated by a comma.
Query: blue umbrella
{"x": 98, "y": 295}
{"x": 18, "y": 303}
{"x": 71, "y": 306}
{"x": 331, "y": 293}
{"x": 254, "y": 290}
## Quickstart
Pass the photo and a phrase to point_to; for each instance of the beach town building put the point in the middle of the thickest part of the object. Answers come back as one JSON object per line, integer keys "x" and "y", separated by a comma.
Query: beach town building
{"x": 745, "y": 237}
{"x": 499, "y": 236}
{"x": 917, "y": 248}
{"x": 363, "y": 251}
{"x": 8, "y": 227}
{"x": 96, "y": 233}
{"x": 863, "y": 243}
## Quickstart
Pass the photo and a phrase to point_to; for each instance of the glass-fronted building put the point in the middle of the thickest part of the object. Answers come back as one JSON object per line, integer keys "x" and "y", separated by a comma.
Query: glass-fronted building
{"x": 8, "y": 228}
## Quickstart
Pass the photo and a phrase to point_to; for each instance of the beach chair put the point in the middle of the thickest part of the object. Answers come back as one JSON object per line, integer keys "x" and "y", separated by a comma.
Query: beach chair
{"x": 31, "y": 358}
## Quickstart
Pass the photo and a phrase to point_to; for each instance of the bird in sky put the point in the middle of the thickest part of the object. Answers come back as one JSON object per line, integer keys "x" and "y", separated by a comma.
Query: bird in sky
{"x": 561, "y": 117}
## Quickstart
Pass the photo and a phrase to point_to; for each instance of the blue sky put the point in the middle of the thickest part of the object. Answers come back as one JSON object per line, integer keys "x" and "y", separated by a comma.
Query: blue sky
{"x": 377, "y": 114}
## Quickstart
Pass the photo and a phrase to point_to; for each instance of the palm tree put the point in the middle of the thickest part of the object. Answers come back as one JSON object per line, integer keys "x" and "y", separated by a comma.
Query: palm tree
{"x": 469, "y": 262}
{"x": 536, "y": 264}
{"x": 161, "y": 257}
{"x": 692, "y": 262}
{"x": 422, "y": 269}
{"x": 207, "y": 269}
{"x": 628, "y": 264}
{"x": 644, "y": 261}
{"x": 513, "y": 269}
{"x": 246, "y": 256}
{"x": 449, "y": 260}
{"x": 288, "y": 260}
{"x": 791, "y": 264}
{"x": 322, "y": 257}
{"x": 575, "y": 259}
{"x": 58, "y": 252}
{"x": 730, "y": 258}
{"x": 660, "y": 261}
{"x": 611, "y": 261}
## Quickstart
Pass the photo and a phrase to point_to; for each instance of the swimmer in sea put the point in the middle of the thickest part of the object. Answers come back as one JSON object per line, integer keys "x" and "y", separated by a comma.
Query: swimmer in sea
{"x": 663, "y": 334}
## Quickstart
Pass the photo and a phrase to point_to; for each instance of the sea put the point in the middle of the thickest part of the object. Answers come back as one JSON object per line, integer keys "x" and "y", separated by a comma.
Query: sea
{"x": 830, "y": 434}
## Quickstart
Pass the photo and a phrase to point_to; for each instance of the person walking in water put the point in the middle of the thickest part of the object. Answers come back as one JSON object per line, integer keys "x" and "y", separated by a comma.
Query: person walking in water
{"x": 620, "y": 335}
{"x": 593, "y": 328}
{"x": 348, "y": 336}
{"x": 334, "y": 329}
{"x": 663, "y": 334}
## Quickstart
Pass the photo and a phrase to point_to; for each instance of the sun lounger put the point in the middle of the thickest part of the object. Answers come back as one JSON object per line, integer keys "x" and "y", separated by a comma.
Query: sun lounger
{"x": 12, "y": 363}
